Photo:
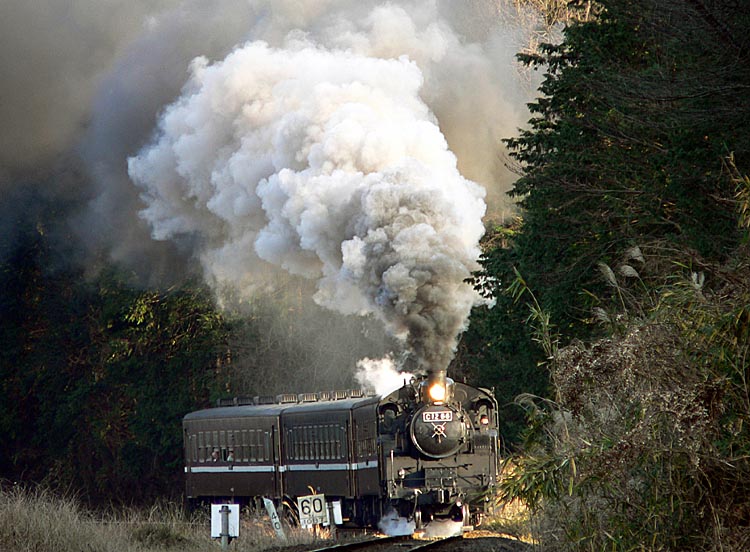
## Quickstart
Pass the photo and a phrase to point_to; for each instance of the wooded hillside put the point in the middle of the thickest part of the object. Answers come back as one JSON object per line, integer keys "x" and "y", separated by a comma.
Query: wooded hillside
{"x": 631, "y": 268}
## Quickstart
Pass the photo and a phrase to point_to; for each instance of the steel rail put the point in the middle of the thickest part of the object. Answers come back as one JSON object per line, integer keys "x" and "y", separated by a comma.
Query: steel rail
{"x": 422, "y": 546}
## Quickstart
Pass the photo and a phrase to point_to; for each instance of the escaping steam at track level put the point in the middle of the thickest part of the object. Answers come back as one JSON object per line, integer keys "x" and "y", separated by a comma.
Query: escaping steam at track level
{"x": 324, "y": 162}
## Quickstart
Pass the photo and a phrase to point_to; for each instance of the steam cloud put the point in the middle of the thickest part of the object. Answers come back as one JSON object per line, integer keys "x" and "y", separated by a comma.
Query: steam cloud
{"x": 381, "y": 375}
{"x": 348, "y": 142}
{"x": 394, "y": 525}
{"x": 329, "y": 165}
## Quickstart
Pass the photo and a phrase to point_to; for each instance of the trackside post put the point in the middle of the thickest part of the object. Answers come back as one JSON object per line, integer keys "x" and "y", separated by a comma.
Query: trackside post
{"x": 275, "y": 521}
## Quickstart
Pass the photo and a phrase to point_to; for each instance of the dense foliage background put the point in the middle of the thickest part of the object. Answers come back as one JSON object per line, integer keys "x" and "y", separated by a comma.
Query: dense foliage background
{"x": 96, "y": 374}
{"x": 632, "y": 265}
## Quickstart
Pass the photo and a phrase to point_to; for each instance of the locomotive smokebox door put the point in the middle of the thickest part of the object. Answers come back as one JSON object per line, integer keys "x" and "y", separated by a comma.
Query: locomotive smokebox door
{"x": 438, "y": 431}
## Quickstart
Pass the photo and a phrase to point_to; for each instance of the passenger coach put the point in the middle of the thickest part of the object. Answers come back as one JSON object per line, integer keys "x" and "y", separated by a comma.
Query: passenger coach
{"x": 285, "y": 450}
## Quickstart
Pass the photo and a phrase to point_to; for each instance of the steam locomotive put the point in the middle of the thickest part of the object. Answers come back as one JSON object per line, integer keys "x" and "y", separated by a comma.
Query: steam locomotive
{"x": 426, "y": 450}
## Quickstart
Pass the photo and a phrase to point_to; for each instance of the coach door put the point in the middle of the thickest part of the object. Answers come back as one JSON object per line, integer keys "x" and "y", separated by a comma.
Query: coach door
{"x": 364, "y": 460}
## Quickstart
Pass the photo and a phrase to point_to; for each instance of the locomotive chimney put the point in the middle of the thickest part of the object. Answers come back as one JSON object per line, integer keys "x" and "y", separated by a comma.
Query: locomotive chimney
{"x": 438, "y": 376}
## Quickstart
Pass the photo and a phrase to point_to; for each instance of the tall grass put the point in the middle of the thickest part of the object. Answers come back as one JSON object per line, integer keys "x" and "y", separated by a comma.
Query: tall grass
{"x": 645, "y": 444}
{"x": 37, "y": 520}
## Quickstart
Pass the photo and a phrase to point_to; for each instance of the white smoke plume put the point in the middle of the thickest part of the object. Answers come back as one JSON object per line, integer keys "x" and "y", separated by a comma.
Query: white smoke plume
{"x": 380, "y": 375}
{"x": 348, "y": 141}
{"x": 327, "y": 163}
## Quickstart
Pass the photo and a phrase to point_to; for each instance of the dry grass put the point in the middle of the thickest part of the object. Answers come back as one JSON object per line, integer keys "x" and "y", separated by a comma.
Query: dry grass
{"x": 646, "y": 443}
{"x": 510, "y": 518}
{"x": 38, "y": 521}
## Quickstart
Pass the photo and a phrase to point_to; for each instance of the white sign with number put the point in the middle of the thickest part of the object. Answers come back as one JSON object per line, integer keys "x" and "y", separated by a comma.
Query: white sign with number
{"x": 275, "y": 521}
{"x": 312, "y": 510}
{"x": 437, "y": 416}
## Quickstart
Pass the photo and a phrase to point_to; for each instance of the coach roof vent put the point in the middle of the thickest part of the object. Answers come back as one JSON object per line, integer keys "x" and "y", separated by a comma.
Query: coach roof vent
{"x": 285, "y": 398}
{"x": 356, "y": 393}
{"x": 338, "y": 395}
{"x": 243, "y": 401}
{"x": 324, "y": 396}
{"x": 264, "y": 399}
{"x": 307, "y": 397}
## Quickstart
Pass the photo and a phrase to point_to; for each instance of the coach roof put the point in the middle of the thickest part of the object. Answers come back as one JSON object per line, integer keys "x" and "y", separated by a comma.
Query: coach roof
{"x": 271, "y": 410}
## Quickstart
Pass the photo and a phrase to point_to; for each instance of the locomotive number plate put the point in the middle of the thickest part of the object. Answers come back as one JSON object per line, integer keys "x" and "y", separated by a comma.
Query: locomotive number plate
{"x": 441, "y": 416}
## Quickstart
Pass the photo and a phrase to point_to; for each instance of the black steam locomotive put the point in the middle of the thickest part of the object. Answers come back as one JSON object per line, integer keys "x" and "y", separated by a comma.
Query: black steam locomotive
{"x": 427, "y": 450}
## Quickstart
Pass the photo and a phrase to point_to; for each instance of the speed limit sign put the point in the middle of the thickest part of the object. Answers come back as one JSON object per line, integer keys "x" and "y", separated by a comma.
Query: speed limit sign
{"x": 312, "y": 510}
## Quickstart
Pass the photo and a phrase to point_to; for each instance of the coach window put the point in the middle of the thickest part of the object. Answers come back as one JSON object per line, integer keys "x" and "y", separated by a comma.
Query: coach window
{"x": 340, "y": 442}
{"x": 255, "y": 453}
{"x": 316, "y": 437}
{"x": 293, "y": 445}
{"x": 266, "y": 446}
{"x": 328, "y": 437}
{"x": 309, "y": 443}
{"x": 298, "y": 444}
{"x": 306, "y": 432}
{"x": 233, "y": 446}
{"x": 254, "y": 445}
{"x": 193, "y": 453}
{"x": 314, "y": 442}
{"x": 325, "y": 439}
{"x": 201, "y": 444}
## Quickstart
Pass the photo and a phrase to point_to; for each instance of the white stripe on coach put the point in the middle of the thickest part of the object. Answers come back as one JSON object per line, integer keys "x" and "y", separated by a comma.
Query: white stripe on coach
{"x": 372, "y": 464}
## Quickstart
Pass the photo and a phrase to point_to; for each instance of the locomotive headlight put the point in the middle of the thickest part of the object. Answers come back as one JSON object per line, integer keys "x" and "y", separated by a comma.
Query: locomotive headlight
{"x": 436, "y": 389}
{"x": 436, "y": 392}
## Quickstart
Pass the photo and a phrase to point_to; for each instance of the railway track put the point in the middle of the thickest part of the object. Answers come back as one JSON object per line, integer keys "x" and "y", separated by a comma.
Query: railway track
{"x": 390, "y": 544}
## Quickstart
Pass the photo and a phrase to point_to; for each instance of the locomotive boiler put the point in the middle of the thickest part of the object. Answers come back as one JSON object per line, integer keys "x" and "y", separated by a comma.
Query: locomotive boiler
{"x": 426, "y": 450}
